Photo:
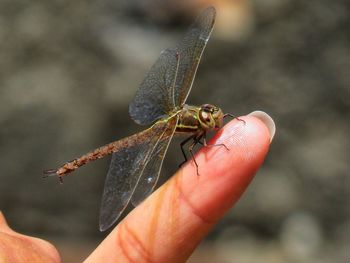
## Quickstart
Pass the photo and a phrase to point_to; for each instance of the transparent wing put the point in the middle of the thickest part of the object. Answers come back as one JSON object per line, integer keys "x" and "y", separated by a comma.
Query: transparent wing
{"x": 190, "y": 50}
{"x": 130, "y": 166}
{"x": 170, "y": 79}
{"x": 150, "y": 175}
{"x": 155, "y": 96}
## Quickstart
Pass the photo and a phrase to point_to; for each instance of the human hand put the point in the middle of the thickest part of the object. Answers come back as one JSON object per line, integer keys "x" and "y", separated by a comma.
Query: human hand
{"x": 15, "y": 247}
{"x": 169, "y": 224}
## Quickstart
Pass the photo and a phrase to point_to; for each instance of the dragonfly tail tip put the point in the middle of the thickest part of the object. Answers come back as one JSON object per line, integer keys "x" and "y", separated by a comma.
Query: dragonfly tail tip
{"x": 49, "y": 172}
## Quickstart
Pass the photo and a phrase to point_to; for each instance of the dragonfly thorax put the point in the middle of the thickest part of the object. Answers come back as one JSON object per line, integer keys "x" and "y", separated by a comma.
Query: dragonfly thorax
{"x": 193, "y": 119}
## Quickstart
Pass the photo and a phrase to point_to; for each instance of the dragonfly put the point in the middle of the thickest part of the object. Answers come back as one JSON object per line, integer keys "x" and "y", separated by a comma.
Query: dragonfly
{"x": 160, "y": 103}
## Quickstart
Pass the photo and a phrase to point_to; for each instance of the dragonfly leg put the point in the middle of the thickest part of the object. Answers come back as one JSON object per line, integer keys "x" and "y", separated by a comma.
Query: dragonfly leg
{"x": 60, "y": 178}
{"x": 182, "y": 148}
{"x": 232, "y": 116}
{"x": 192, "y": 155}
{"x": 196, "y": 140}
{"x": 204, "y": 143}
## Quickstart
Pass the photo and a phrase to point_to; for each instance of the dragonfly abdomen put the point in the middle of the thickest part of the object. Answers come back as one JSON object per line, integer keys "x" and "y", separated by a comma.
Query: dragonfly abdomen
{"x": 84, "y": 159}
{"x": 101, "y": 152}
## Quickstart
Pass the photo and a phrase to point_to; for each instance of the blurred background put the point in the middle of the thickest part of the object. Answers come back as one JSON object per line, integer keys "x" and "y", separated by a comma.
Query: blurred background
{"x": 68, "y": 70}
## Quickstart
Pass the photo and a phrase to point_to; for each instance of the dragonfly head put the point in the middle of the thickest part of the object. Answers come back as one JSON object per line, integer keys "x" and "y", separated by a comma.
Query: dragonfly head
{"x": 211, "y": 117}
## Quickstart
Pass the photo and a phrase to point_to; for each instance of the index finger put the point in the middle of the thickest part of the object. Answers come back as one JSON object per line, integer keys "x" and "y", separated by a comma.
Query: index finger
{"x": 169, "y": 224}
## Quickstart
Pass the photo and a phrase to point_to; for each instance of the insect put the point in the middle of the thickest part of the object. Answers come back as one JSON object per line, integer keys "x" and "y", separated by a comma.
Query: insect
{"x": 159, "y": 102}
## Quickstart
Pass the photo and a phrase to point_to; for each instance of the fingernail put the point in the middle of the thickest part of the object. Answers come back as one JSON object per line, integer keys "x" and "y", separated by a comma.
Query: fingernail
{"x": 267, "y": 120}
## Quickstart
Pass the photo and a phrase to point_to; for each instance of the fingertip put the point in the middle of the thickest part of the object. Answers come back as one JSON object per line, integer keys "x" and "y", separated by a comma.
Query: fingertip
{"x": 225, "y": 174}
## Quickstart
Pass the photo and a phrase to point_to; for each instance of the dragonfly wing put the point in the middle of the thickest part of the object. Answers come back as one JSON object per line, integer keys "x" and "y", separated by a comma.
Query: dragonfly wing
{"x": 170, "y": 79}
{"x": 127, "y": 166}
{"x": 190, "y": 50}
{"x": 150, "y": 175}
{"x": 155, "y": 99}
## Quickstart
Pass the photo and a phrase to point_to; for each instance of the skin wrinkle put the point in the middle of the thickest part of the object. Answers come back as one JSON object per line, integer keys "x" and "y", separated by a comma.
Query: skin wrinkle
{"x": 154, "y": 223}
{"x": 134, "y": 243}
{"x": 174, "y": 207}
{"x": 173, "y": 232}
{"x": 192, "y": 208}
{"x": 122, "y": 248}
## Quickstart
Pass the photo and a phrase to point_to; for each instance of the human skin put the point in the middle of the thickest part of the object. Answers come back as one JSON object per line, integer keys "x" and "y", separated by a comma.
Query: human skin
{"x": 169, "y": 224}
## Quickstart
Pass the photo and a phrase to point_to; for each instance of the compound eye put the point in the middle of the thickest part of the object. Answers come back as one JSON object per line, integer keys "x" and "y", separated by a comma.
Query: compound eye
{"x": 207, "y": 108}
{"x": 205, "y": 116}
